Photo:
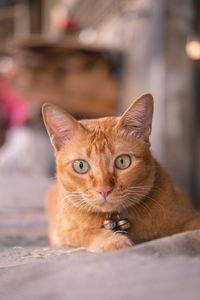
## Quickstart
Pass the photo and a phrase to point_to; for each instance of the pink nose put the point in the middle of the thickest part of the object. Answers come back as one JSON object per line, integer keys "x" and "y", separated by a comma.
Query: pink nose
{"x": 104, "y": 191}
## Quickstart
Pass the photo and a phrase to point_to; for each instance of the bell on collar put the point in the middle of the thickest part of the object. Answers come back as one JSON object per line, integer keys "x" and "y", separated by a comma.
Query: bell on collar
{"x": 109, "y": 224}
{"x": 123, "y": 224}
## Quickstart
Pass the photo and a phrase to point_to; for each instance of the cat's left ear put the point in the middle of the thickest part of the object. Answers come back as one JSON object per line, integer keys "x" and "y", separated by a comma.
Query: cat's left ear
{"x": 137, "y": 120}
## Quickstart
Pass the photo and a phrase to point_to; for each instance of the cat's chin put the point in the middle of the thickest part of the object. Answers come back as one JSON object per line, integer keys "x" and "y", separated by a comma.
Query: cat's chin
{"x": 106, "y": 207}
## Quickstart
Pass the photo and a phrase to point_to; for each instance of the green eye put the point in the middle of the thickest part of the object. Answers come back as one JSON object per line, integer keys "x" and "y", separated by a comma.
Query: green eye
{"x": 80, "y": 166}
{"x": 122, "y": 162}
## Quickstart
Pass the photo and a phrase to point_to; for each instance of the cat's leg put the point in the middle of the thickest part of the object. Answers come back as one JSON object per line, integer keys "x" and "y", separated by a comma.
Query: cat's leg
{"x": 98, "y": 240}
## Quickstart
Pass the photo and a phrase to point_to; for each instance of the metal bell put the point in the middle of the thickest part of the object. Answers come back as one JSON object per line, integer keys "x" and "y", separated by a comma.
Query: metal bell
{"x": 123, "y": 224}
{"x": 109, "y": 224}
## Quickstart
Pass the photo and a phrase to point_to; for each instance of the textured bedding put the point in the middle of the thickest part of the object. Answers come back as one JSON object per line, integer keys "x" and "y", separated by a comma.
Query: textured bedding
{"x": 167, "y": 268}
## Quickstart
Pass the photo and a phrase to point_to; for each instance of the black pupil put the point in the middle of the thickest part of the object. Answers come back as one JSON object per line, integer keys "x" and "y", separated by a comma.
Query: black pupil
{"x": 81, "y": 165}
{"x": 122, "y": 161}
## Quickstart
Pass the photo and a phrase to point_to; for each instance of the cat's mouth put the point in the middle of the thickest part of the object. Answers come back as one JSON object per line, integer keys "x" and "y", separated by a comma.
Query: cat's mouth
{"x": 115, "y": 202}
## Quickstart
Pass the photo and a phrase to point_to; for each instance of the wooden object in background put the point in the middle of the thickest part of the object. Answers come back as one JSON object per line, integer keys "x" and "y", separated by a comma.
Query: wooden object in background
{"x": 83, "y": 80}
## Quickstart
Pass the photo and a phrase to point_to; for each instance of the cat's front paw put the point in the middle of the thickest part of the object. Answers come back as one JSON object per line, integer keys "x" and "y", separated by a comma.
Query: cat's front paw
{"x": 114, "y": 242}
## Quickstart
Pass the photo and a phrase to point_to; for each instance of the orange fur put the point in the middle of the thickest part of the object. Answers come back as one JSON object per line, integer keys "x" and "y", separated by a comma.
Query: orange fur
{"x": 143, "y": 192}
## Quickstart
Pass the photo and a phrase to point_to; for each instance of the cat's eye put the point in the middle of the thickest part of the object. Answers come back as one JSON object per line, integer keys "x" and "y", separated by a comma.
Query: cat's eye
{"x": 80, "y": 166}
{"x": 122, "y": 162}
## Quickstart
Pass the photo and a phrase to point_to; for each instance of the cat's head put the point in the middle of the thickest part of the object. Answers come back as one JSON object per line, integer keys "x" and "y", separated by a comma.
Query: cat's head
{"x": 103, "y": 164}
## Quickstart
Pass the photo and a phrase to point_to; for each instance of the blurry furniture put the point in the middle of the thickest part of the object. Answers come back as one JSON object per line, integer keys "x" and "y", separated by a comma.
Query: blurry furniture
{"x": 81, "y": 79}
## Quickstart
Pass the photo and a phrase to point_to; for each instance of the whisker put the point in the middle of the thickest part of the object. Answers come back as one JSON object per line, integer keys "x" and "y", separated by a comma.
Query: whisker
{"x": 144, "y": 187}
{"x": 154, "y": 200}
{"x": 143, "y": 205}
{"x": 80, "y": 202}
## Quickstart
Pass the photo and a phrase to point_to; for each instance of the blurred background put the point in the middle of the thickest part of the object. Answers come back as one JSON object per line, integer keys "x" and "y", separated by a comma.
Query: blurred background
{"x": 93, "y": 58}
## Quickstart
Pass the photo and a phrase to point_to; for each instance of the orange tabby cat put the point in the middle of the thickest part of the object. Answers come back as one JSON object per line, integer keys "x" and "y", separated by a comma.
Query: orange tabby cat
{"x": 105, "y": 165}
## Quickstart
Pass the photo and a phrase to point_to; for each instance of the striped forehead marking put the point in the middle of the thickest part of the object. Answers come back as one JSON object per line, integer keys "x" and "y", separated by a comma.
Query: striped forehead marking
{"x": 99, "y": 142}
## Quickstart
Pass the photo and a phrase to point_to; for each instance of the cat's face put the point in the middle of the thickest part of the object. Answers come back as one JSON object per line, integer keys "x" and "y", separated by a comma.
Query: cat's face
{"x": 103, "y": 164}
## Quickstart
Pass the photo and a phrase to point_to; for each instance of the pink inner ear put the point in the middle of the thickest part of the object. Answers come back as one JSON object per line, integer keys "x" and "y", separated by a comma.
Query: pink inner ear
{"x": 59, "y": 140}
{"x": 138, "y": 118}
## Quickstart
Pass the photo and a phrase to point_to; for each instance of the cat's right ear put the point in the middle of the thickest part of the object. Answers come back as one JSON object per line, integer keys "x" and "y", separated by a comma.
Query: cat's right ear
{"x": 60, "y": 125}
